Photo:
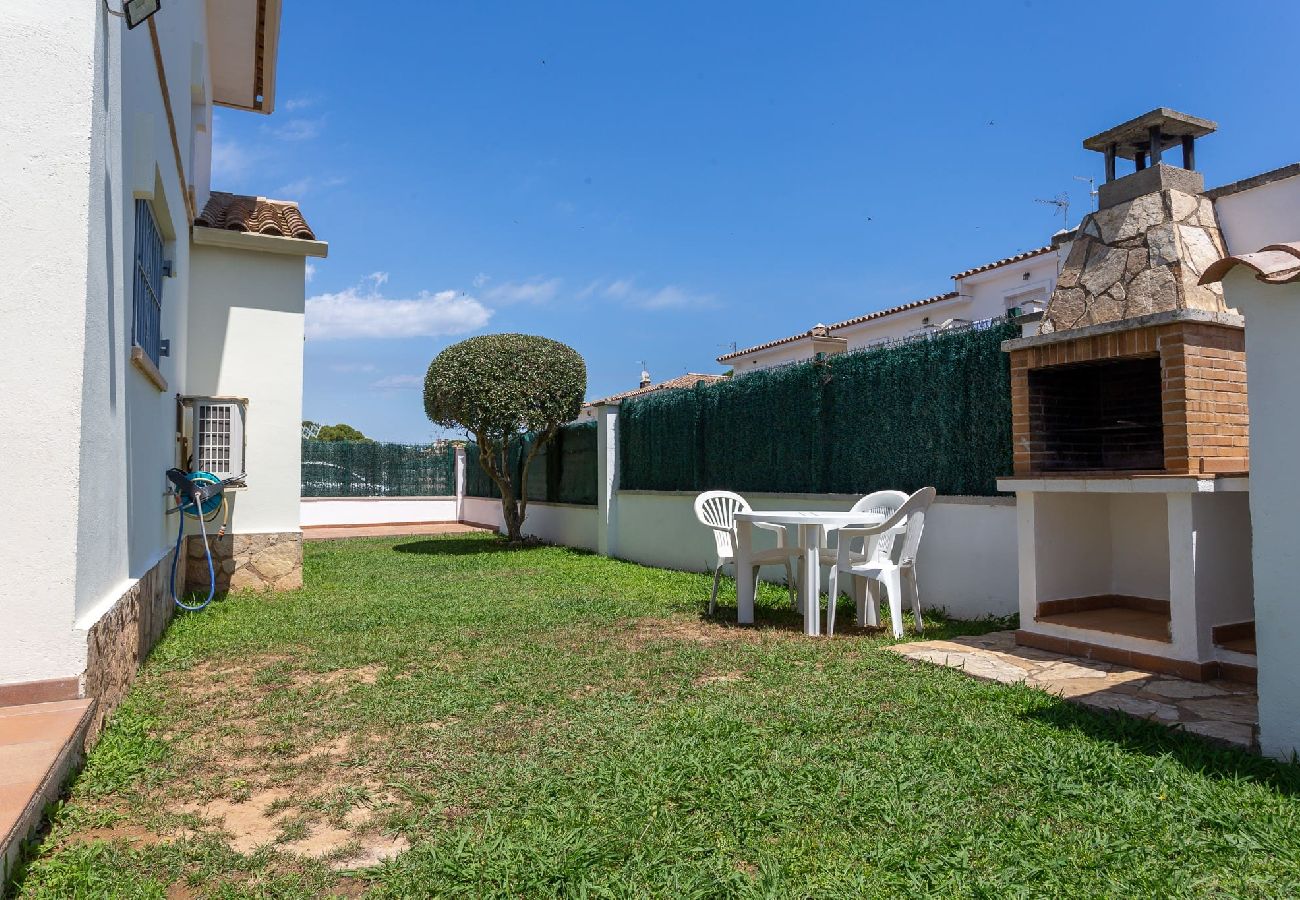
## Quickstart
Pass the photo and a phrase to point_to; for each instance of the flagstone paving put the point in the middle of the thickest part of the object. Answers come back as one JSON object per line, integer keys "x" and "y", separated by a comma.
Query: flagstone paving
{"x": 1223, "y": 711}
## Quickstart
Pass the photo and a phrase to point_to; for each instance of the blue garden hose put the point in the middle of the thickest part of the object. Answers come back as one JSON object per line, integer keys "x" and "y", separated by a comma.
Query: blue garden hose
{"x": 196, "y": 502}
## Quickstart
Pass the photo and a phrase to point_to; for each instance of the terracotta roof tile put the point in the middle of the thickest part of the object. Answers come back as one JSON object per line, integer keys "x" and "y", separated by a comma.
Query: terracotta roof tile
{"x": 845, "y": 324}
{"x": 1274, "y": 264}
{"x": 689, "y": 380}
{"x": 996, "y": 264}
{"x": 240, "y": 212}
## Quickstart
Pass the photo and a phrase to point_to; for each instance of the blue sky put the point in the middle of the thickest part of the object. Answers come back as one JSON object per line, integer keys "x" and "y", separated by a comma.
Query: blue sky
{"x": 654, "y": 181}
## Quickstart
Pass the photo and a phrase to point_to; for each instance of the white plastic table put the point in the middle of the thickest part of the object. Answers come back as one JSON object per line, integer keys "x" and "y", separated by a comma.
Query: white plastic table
{"x": 813, "y": 526}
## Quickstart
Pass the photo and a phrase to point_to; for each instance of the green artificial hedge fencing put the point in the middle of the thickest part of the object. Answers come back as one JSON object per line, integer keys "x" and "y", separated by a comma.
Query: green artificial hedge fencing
{"x": 934, "y": 411}
{"x": 375, "y": 469}
{"x": 563, "y": 472}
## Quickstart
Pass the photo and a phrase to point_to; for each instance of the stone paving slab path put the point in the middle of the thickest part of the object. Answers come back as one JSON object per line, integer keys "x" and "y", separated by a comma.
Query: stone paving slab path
{"x": 1223, "y": 711}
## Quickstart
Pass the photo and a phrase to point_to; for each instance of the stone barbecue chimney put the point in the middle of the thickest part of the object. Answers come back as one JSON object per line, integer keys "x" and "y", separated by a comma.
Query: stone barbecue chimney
{"x": 1144, "y": 249}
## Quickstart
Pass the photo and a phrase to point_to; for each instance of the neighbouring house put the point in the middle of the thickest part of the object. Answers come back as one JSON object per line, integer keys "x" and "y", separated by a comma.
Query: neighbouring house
{"x": 689, "y": 380}
{"x": 1020, "y": 283}
{"x": 150, "y": 321}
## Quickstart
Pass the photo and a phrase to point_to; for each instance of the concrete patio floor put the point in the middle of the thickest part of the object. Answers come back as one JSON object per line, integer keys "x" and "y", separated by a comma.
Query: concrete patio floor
{"x": 40, "y": 743}
{"x": 1224, "y": 711}
{"x": 324, "y": 532}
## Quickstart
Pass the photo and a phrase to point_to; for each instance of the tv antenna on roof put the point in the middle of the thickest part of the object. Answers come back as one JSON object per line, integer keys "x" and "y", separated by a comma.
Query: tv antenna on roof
{"x": 730, "y": 346}
{"x": 1092, "y": 185}
{"x": 1062, "y": 203}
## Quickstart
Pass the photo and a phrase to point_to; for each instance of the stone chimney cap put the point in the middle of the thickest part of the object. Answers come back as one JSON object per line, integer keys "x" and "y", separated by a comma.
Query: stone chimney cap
{"x": 1134, "y": 136}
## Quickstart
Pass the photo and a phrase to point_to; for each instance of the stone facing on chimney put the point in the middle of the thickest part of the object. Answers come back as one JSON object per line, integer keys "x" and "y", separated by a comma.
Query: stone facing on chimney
{"x": 1136, "y": 258}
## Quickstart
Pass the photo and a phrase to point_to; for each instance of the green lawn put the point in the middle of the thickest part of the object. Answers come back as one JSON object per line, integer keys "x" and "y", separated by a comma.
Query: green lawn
{"x": 543, "y": 722}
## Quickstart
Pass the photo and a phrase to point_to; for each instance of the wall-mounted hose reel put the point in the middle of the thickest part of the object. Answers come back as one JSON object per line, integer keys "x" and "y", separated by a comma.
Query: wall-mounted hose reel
{"x": 201, "y": 496}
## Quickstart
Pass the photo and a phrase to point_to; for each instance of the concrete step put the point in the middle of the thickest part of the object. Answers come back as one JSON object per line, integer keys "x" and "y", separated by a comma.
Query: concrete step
{"x": 40, "y": 744}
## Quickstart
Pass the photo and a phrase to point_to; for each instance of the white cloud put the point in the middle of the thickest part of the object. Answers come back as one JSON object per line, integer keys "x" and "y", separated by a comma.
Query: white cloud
{"x": 628, "y": 292}
{"x": 348, "y": 368}
{"x": 533, "y": 290}
{"x": 481, "y": 279}
{"x": 308, "y": 184}
{"x": 230, "y": 161}
{"x": 296, "y": 103}
{"x": 398, "y": 382}
{"x": 619, "y": 290}
{"x": 297, "y": 129}
{"x": 310, "y": 271}
{"x": 361, "y": 313}
{"x": 673, "y": 297}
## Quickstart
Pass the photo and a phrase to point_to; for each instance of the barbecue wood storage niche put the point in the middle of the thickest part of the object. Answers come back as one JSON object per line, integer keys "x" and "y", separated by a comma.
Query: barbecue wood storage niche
{"x": 1130, "y": 429}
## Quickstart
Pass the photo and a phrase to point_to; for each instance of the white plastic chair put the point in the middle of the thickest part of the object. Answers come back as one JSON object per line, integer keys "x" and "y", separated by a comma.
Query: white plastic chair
{"x": 877, "y": 503}
{"x": 717, "y": 510}
{"x": 876, "y": 562}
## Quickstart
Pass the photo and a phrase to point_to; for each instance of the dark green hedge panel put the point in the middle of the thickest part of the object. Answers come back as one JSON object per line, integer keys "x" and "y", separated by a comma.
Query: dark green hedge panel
{"x": 375, "y": 469}
{"x": 927, "y": 411}
{"x": 564, "y": 471}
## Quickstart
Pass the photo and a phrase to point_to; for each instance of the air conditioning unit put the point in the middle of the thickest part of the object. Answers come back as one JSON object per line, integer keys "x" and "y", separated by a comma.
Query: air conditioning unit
{"x": 217, "y": 435}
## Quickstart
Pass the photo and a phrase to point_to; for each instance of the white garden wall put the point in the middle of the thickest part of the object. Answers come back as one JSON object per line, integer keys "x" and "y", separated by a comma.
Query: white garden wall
{"x": 376, "y": 510}
{"x": 556, "y": 523}
{"x": 967, "y": 563}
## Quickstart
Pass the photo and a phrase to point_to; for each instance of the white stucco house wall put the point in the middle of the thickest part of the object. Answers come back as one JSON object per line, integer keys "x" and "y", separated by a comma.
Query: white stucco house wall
{"x": 1260, "y": 219}
{"x": 1023, "y": 282}
{"x": 133, "y": 296}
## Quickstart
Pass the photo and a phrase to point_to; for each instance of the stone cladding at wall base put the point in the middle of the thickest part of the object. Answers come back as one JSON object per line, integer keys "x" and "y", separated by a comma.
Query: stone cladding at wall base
{"x": 248, "y": 562}
{"x": 121, "y": 639}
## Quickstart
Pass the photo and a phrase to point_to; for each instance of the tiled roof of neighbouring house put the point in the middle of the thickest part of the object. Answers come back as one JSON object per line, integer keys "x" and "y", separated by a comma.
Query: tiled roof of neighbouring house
{"x": 240, "y": 212}
{"x": 998, "y": 263}
{"x": 1274, "y": 264}
{"x": 857, "y": 320}
{"x": 689, "y": 380}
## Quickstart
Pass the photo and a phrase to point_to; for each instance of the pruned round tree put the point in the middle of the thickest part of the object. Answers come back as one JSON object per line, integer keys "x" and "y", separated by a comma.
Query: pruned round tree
{"x": 500, "y": 387}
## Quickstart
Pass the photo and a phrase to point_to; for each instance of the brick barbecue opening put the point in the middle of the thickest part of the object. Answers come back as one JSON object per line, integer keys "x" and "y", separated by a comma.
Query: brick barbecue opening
{"x": 1161, "y": 394}
{"x": 1098, "y": 416}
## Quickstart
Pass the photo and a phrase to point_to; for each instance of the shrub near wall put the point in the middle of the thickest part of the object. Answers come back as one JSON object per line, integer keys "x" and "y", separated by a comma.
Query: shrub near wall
{"x": 929, "y": 411}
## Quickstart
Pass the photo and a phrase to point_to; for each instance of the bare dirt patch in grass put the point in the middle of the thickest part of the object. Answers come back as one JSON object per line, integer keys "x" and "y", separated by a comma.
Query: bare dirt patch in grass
{"x": 641, "y": 633}
{"x": 363, "y": 675}
{"x": 719, "y": 678}
{"x": 135, "y": 835}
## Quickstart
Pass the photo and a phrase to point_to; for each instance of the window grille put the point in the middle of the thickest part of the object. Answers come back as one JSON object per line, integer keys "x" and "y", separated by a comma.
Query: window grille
{"x": 219, "y": 437}
{"x": 146, "y": 327}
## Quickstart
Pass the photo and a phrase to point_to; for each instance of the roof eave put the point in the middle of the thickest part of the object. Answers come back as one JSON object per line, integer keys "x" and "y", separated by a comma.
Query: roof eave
{"x": 265, "y": 54}
{"x": 1003, "y": 263}
{"x": 261, "y": 243}
{"x": 847, "y": 323}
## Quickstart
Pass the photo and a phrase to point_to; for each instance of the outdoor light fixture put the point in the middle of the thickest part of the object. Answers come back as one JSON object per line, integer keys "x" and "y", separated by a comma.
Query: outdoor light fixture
{"x": 135, "y": 11}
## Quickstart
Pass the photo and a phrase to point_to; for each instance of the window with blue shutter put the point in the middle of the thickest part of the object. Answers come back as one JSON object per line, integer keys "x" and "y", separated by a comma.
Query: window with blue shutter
{"x": 146, "y": 327}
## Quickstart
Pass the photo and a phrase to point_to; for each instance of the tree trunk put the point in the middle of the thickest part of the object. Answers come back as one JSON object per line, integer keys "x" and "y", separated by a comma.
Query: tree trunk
{"x": 510, "y": 512}
{"x": 513, "y": 505}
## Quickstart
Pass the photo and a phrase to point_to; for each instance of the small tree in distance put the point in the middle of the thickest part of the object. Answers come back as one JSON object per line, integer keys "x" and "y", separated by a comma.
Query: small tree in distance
{"x": 339, "y": 432}
{"x": 499, "y": 387}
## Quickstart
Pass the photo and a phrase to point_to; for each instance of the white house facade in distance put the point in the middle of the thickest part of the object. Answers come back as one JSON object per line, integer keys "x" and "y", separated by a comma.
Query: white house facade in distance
{"x": 1022, "y": 282}
{"x": 150, "y": 323}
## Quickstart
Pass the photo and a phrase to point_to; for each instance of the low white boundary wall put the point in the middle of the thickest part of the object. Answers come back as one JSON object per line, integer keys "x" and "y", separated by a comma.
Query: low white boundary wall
{"x": 376, "y": 510}
{"x": 967, "y": 563}
{"x": 556, "y": 523}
